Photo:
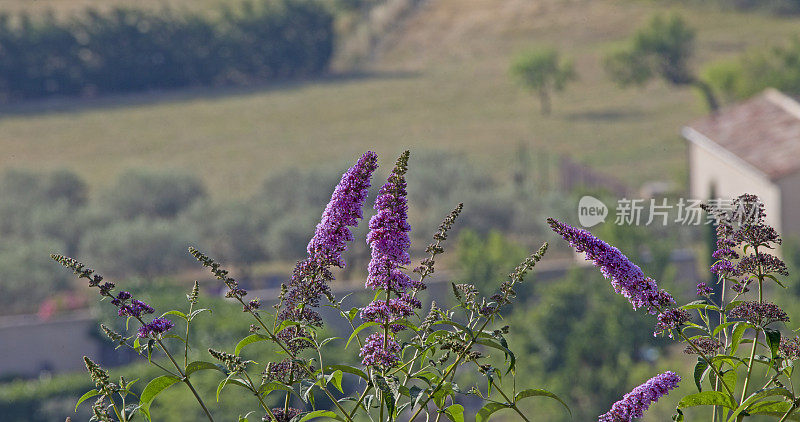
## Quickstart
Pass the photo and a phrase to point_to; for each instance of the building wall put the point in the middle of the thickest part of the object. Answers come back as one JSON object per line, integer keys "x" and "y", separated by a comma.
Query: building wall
{"x": 730, "y": 180}
{"x": 790, "y": 205}
{"x": 29, "y": 346}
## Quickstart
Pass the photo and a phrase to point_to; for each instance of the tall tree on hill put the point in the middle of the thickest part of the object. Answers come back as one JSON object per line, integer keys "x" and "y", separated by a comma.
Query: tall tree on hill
{"x": 543, "y": 72}
{"x": 662, "y": 49}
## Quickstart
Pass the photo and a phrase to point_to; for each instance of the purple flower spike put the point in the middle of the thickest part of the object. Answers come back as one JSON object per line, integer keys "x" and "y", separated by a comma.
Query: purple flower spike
{"x": 635, "y": 403}
{"x": 311, "y": 276}
{"x": 388, "y": 237}
{"x": 388, "y": 233}
{"x": 344, "y": 209}
{"x": 626, "y": 277}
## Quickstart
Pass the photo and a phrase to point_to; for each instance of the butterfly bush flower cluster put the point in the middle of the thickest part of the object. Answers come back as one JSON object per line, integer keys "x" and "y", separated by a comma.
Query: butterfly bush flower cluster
{"x": 738, "y": 225}
{"x": 635, "y": 403}
{"x": 626, "y": 277}
{"x": 311, "y": 276}
{"x": 389, "y": 240}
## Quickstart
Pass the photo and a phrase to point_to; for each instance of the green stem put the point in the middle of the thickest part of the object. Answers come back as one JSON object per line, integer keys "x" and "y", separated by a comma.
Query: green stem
{"x": 258, "y": 396}
{"x": 750, "y": 366}
{"x": 789, "y": 412}
{"x": 184, "y": 378}
{"x": 303, "y": 365}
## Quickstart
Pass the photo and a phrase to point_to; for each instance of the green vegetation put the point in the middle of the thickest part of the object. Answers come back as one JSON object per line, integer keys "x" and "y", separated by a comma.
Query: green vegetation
{"x": 663, "y": 50}
{"x": 543, "y": 72}
{"x": 777, "y": 66}
{"x": 440, "y": 102}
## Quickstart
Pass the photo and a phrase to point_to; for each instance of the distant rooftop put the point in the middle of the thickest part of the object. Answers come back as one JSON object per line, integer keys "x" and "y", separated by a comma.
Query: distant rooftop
{"x": 763, "y": 133}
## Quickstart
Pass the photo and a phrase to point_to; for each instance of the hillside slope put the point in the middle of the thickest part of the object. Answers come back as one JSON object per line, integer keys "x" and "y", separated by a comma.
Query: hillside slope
{"x": 439, "y": 80}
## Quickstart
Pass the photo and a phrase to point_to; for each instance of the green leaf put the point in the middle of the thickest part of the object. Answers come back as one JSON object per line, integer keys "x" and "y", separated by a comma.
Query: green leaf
{"x": 336, "y": 379}
{"x": 536, "y": 392}
{"x": 352, "y": 314}
{"x": 707, "y": 398}
{"x": 509, "y": 354}
{"x": 738, "y": 332}
{"x": 153, "y": 389}
{"x": 774, "y": 408}
{"x": 758, "y": 395}
{"x": 358, "y": 329}
{"x": 320, "y": 414}
{"x": 773, "y": 340}
{"x": 348, "y": 369}
{"x": 200, "y": 365}
{"x": 700, "y": 369}
{"x": 89, "y": 394}
{"x": 176, "y": 313}
{"x": 389, "y": 394}
{"x": 230, "y": 380}
{"x": 252, "y": 338}
{"x": 486, "y": 411}
{"x": 455, "y": 412}
{"x": 197, "y": 311}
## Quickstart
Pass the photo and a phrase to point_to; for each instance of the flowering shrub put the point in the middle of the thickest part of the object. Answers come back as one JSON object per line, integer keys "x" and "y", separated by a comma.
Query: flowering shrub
{"x": 409, "y": 358}
{"x": 724, "y": 322}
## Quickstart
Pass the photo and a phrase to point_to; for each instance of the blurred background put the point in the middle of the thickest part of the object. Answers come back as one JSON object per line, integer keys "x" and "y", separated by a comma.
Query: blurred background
{"x": 132, "y": 130}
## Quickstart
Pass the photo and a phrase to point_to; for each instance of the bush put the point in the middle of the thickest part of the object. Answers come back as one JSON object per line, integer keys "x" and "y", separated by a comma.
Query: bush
{"x": 28, "y": 277}
{"x": 155, "y": 194}
{"x": 142, "y": 246}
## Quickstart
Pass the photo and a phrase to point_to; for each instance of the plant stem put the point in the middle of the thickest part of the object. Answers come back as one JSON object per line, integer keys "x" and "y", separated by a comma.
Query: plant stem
{"x": 255, "y": 392}
{"x": 789, "y": 412}
{"x": 185, "y": 379}
{"x": 303, "y": 365}
{"x": 750, "y": 365}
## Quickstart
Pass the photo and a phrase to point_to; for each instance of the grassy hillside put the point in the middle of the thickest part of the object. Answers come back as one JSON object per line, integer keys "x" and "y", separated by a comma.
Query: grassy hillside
{"x": 439, "y": 80}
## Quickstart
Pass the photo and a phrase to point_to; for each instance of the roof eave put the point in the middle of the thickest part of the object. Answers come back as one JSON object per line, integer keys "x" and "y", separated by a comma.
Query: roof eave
{"x": 702, "y": 141}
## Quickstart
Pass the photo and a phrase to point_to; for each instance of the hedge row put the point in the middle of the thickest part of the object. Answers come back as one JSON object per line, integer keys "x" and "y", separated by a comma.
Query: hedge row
{"x": 134, "y": 50}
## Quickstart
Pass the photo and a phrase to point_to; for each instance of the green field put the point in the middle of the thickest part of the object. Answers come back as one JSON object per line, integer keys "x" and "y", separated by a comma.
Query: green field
{"x": 439, "y": 80}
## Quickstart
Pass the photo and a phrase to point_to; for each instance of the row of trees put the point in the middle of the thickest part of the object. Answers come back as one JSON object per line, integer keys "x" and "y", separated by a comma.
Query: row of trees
{"x": 134, "y": 50}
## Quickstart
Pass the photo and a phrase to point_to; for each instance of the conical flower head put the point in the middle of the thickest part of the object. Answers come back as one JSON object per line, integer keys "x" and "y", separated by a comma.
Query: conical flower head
{"x": 344, "y": 210}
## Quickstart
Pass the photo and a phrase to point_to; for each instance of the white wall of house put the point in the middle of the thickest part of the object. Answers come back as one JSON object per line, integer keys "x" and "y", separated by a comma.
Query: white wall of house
{"x": 790, "y": 205}
{"x": 731, "y": 178}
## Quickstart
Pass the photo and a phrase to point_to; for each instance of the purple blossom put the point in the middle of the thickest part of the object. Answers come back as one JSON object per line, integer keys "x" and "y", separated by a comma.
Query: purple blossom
{"x": 704, "y": 290}
{"x": 635, "y": 403}
{"x": 135, "y": 309}
{"x": 389, "y": 240}
{"x": 376, "y": 353}
{"x": 156, "y": 326}
{"x": 626, "y": 277}
{"x": 388, "y": 234}
{"x": 343, "y": 210}
{"x": 311, "y": 276}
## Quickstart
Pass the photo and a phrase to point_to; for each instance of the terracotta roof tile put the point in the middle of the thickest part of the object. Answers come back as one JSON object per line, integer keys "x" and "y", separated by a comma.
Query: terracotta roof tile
{"x": 763, "y": 131}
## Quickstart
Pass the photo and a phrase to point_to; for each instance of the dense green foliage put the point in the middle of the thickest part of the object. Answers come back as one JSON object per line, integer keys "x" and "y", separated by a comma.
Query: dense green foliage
{"x": 661, "y": 49}
{"x": 777, "y": 66}
{"x": 136, "y": 50}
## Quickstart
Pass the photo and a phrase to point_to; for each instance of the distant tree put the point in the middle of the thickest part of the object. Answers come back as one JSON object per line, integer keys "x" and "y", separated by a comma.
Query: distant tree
{"x": 662, "y": 49}
{"x": 543, "y": 72}
{"x": 231, "y": 230}
{"x": 150, "y": 193}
